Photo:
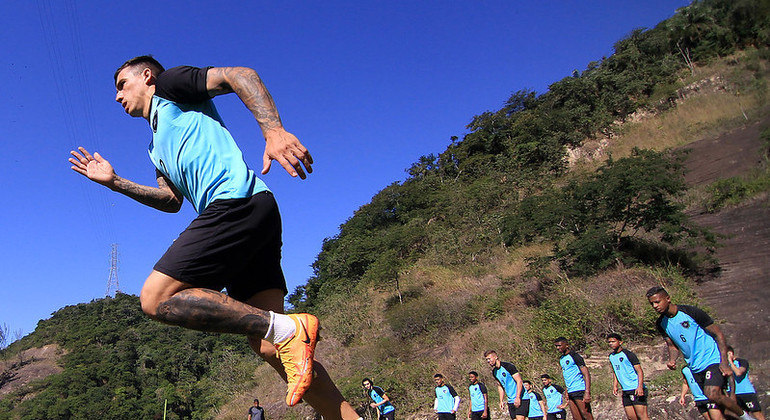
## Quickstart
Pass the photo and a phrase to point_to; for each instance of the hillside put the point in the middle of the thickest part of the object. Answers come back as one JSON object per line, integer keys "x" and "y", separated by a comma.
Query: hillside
{"x": 551, "y": 217}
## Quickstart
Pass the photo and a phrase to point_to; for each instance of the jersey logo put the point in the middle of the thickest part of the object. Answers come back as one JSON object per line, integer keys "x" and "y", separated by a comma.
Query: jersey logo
{"x": 155, "y": 122}
{"x": 503, "y": 374}
{"x": 621, "y": 359}
{"x": 566, "y": 362}
{"x": 686, "y": 324}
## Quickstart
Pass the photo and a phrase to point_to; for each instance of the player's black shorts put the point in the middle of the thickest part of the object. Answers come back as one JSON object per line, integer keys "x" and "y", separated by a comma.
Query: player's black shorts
{"x": 476, "y": 415}
{"x": 711, "y": 376}
{"x": 705, "y": 405}
{"x": 233, "y": 244}
{"x": 535, "y": 418}
{"x": 522, "y": 410}
{"x": 446, "y": 416}
{"x": 630, "y": 398}
{"x": 748, "y": 402}
{"x": 388, "y": 416}
{"x": 559, "y": 415}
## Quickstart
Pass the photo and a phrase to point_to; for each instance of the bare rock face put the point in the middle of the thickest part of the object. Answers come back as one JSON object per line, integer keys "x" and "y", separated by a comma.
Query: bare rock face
{"x": 27, "y": 366}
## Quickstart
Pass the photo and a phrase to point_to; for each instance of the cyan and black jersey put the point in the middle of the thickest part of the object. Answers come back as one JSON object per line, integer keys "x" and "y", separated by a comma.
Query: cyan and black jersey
{"x": 190, "y": 144}
{"x": 477, "y": 392}
{"x": 687, "y": 329}
{"x": 697, "y": 393}
{"x": 376, "y": 394}
{"x": 623, "y": 363}
{"x": 570, "y": 368}
{"x": 553, "y": 397}
{"x": 742, "y": 383}
{"x": 534, "y": 404}
{"x": 445, "y": 399}
{"x": 504, "y": 375}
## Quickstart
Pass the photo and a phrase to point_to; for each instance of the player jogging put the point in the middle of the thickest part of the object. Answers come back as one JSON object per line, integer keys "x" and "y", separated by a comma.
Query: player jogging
{"x": 381, "y": 400}
{"x": 577, "y": 379}
{"x": 537, "y": 408}
{"x": 628, "y": 378}
{"x": 479, "y": 407}
{"x": 509, "y": 384}
{"x": 745, "y": 394}
{"x": 447, "y": 401}
{"x": 555, "y": 403}
{"x": 235, "y": 242}
{"x": 706, "y": 408}
{"x": 692, "y": 332}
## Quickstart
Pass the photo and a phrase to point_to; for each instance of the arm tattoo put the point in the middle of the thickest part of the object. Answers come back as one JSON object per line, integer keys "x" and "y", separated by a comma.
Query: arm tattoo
{"x": 207, "y": 310}
{"x": 164, "y": 198}
{"x": 248, "y": 86}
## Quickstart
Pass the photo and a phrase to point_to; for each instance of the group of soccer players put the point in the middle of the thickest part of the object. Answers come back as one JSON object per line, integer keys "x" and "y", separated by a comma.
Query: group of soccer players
{"x": 711, "y": 364}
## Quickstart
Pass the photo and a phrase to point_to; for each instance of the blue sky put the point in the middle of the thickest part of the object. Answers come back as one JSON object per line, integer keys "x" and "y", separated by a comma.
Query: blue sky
{"x": 368, "y": 87}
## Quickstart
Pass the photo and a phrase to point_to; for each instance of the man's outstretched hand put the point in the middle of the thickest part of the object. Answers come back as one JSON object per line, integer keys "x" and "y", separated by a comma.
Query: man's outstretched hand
{"x": 95, "y": 167}
{"x": 285, "y": 148}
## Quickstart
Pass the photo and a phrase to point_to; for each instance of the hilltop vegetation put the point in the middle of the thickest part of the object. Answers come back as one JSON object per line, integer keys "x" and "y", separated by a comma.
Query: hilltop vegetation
{"x": 496, "y": 242}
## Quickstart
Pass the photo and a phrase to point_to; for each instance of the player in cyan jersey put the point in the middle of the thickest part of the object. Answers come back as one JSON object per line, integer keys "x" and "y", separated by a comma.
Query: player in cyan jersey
{"x": 628, "y": 378}
{"x": 555, "y": 399}
{"x": 706, "y": 408}
{"x": 479, "y": 407}
{"x": 509, "y": 384}
{"x": 447, "y": 401}
{"x": 692, "y": 332}
{"x": 744, "y": 393}
{"x": 577, "y": 379}
{"x": 381, "y": 400}
{"x": 537, "y": 408}
{"x": 235, "y": 242}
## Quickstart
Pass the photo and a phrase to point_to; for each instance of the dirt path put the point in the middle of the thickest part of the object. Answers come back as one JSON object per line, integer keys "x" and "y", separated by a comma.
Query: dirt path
{"x": 741, "y": 293}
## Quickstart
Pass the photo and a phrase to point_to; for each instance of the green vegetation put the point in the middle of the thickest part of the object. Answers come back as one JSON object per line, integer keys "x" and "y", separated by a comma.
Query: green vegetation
{"x": 119, "y": 363}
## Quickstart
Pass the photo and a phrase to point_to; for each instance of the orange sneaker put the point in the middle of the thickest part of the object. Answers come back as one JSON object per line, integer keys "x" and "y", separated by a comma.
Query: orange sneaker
{"x": 296, "y": 356}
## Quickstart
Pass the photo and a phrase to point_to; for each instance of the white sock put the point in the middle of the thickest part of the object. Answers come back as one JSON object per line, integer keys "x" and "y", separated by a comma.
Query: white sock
{"x": 281, "y": 327}
{"x": 747, "y": 416}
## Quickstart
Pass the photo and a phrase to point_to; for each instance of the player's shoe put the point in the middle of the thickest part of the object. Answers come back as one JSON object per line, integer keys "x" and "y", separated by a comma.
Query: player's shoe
{"x": 296, "y": 356}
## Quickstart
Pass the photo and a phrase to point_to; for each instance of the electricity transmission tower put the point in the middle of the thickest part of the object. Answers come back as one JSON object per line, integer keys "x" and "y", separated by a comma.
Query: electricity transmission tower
{"x": 112, "y": 282}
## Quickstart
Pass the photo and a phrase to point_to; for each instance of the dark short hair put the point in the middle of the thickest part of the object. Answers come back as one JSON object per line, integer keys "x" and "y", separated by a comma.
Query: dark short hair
{"x": 526, "y": 382}
{"x": 146, "y": 60}
{"x": 367, "y": 380}
{"x": 615, "y": 336}
{"x": 545, "y": 376}
{"x": 657, "y": 290}
{"x": 473, "y": 372}
{"x": 438, "y": 375}
{"x": 488, "y": 352}
{"x": 561, "y": 340}
{"x": 730, "y": 348}
{"x": 256, "y": 400}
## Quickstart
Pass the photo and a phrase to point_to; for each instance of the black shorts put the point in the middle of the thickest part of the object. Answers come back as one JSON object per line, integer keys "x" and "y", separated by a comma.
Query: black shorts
{"x": 711, "y": 376}
{"x": 446, "y": 416}
{"x": 630, "y": 398}
{"x": 476, "y": 415}
{"x": 233, "y": 244}
{"x": 522, "y": 410}
{"x": 705, "y": 405}
{"x": 748, "y": 402}
{"x": 388, "y": 416}
{"x": 535, "y": 418}
{"x": 559, "y": 415}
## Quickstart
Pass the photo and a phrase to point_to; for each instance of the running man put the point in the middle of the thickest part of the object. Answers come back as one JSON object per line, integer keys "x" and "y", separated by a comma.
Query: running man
{"x": 537, "y": 406}
{"x": 381, "y": 400}
{"x": 745, "y": 393}
{"x": 706, "y": 408}
{"x": 554, "y": 399}
{"x": 628, "y": 378}
{"x": 509, "y": 384}
{"x": 447, "y": 401}
{"x": 235, "y": 242}
{"x": 478, "y": 409}
{"x": 256, "y": 412}
{"x": 692, "y": 332}
{"x": 577, "y": 379}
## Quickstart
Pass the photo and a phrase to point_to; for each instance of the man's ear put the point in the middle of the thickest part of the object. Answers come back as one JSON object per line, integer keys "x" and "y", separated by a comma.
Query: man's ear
{"x": 148, "y": 77}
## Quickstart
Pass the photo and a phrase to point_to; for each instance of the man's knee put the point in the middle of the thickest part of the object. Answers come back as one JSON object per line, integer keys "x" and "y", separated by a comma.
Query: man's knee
{"x": 157, "y": 289}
